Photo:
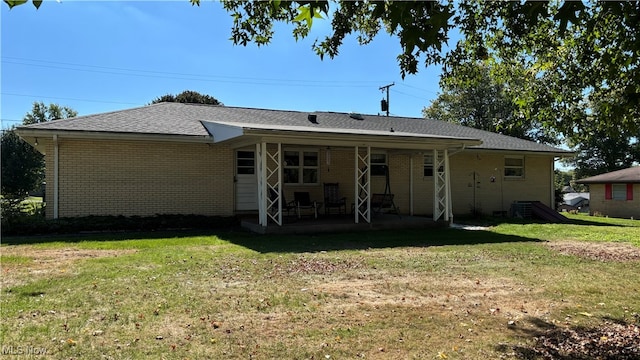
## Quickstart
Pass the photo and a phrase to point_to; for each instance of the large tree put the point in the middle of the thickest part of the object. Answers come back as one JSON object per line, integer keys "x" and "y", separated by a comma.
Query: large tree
{"x": 602, "y": 153}
{"x": 582, "y": 62}
{"x": 22, "y": 165}
{"x": 583, "y": 78}
{"x": 476, "y": 99}
{"x": 188, "y": 96}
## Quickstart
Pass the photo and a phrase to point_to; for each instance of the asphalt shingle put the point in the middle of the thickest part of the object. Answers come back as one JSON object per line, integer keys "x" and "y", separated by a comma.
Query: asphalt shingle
{"x": 185, "y": 120}
{"x": 630, "y": 175}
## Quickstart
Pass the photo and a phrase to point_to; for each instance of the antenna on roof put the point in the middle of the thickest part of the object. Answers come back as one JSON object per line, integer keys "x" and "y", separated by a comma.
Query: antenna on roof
{"x": 384, "y": 104}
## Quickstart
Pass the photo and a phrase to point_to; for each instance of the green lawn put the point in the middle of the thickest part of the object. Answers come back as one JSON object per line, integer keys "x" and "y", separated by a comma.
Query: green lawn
{"x": 439, "y": 293}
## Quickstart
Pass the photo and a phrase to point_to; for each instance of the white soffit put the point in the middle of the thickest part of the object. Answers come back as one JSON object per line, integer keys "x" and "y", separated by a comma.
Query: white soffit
{"x": 222, "y": 131}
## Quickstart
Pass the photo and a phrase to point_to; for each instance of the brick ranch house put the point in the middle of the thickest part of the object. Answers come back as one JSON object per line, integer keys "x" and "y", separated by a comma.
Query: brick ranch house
{"x": 173, "y": 158}
{"x": 615, "y": 194}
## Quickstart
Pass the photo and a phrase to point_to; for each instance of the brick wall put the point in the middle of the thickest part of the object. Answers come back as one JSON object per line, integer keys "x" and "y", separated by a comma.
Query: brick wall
{"x": 614, "y": 208}
{"x": 141, "y": 178}
{"x": 472, "y": 185}
{"x": 146, "y": 178}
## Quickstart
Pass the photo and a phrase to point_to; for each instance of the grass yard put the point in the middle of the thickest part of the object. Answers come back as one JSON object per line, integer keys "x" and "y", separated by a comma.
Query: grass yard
{"x": 511, "y": 291}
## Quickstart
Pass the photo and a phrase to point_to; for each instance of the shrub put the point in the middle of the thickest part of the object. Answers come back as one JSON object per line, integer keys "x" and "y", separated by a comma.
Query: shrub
{"x": 37, "y": 225}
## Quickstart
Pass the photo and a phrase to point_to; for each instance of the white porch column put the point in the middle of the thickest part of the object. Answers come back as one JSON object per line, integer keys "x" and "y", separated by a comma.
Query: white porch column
{"x": 261, "y": 163}
{"x": 269, "y": 183}
{"x": 273, "y": 180}
{"x": 362, "y": 206}
{"x": 442, "y": 186}
{"x": 449, "y": 214}
{"x": 56, "y": 172}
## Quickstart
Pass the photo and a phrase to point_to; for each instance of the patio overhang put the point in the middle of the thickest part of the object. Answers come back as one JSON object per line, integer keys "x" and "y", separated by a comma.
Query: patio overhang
{"x": 242, "y": 135}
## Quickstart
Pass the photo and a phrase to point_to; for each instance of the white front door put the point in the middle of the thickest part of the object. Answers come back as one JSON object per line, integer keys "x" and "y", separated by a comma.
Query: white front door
{"x": 246, "y": 181}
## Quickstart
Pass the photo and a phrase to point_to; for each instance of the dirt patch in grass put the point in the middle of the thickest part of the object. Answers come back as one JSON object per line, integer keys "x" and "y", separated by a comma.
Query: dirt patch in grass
{"x": 605, "y": 251}
{"x": 494, "y": 296}
{"x": 45, "y": 262}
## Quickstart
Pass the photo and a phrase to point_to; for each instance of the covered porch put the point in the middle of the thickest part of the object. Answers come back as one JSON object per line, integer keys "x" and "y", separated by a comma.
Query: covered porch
{"x": 345, "y": 157}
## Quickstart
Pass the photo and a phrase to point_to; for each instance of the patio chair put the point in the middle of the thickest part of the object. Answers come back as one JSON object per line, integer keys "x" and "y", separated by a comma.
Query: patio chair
{"x": 286, "y": 206}
{"x": 333, "y": 200}
{"x": 303, "y": 201}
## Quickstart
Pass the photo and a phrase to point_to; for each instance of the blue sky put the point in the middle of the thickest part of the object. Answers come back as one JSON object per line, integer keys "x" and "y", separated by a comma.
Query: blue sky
{"x": 98, "y": 56}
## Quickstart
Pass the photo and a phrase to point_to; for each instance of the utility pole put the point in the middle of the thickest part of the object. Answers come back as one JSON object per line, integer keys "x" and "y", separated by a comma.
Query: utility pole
{"x": 384, "y": 104}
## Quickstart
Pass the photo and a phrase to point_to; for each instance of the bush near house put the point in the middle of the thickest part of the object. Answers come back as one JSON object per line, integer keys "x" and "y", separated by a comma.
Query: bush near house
{"x": 38, "y": 225}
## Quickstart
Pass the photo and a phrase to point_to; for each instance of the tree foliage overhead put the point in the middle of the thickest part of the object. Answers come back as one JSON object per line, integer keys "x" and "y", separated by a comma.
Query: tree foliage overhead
{"x": 421, "y": 26}
{"x": 12, "y": 3}
{"x": 578, "y": 57}
{"x": 188, "y": 96}
{"x": 567, "y": 54}
{"x": 582, "y": 61}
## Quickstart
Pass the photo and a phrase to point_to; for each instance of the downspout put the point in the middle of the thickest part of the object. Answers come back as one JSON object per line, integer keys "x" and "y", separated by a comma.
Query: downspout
{"x": 56, "y": 171}
{"x": 458, "y": 151}
{"x": 411, "y": 185}
{"x": 553, "y": 184}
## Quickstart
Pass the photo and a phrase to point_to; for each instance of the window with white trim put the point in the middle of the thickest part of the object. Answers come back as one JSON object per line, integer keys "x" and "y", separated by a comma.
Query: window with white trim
{"x": 428, "y": 166}
{"x": 514, "y": 167}
{"x": 378, "y": 164}
{"x": 246, "y": 162}
{"x": 301, "y": 167}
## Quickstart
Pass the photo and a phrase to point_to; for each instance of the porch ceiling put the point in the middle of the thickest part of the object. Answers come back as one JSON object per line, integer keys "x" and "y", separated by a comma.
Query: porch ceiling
{"x": 248, "y": 134}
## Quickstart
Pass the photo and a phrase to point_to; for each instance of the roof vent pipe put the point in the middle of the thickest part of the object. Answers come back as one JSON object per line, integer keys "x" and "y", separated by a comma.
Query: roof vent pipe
{"x": 313, "y": 118}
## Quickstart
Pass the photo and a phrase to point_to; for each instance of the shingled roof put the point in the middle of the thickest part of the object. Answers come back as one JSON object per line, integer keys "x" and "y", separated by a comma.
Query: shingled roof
{"x": 188, "y": 120}
{"x": 624, "y": 176}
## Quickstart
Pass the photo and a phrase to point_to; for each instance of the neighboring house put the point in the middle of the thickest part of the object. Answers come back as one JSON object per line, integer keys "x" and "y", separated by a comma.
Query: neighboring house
{"x": 615, "y": 194}
{"x": 173, "y": 158}
{"x": 575, "y": 201}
